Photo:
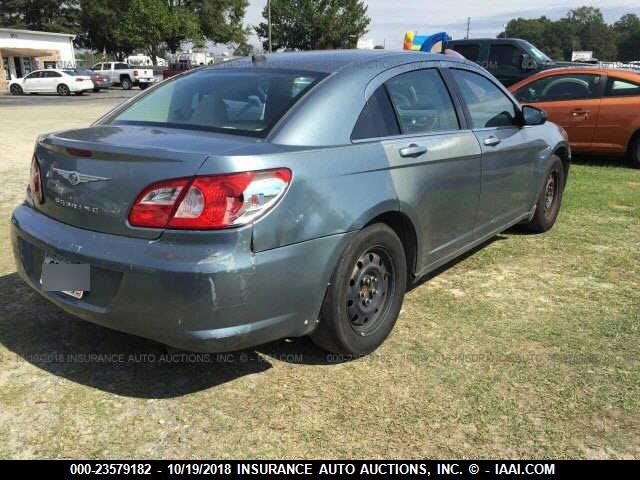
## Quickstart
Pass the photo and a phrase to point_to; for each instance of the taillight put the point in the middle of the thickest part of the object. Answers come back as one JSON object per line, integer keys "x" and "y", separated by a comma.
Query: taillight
{"x": 35, "y": 182}
{"x": 209, "y": 202}
{"x": 135, "y": 73}
{"x": 78, "y": 79}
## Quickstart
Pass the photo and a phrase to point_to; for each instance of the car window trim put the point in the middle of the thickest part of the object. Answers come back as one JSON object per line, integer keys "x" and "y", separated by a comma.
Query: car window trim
{"x": 410, "y": 136}
{"x": 500, "y": 87}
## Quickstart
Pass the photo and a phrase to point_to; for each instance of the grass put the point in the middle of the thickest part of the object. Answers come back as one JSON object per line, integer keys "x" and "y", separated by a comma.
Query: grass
{"x": 526, "y": 348}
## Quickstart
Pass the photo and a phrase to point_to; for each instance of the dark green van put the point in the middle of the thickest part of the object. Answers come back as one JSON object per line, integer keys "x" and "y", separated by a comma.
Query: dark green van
{"x": 508, "y": 59}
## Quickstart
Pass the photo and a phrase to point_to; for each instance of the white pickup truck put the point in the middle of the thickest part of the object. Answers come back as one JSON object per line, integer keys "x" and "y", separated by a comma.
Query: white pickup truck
{"x": 125, "y": 75}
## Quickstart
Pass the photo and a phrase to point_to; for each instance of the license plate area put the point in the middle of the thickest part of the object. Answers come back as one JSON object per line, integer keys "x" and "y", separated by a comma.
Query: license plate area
{"x": 59, "y": 275}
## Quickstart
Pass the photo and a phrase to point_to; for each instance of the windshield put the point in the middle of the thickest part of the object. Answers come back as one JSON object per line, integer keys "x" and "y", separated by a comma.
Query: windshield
{"x": 231, "y": 100}
{"x": 538, "y": 55}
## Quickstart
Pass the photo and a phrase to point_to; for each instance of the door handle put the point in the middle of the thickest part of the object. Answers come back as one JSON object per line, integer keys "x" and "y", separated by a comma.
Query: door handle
{"x": 580, "y": 113}
{"x": 413, "y": 150}
{"x": 492, "y": 141}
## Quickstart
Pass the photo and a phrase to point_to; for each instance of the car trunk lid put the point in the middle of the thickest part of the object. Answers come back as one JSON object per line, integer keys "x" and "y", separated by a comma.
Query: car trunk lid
{"x": 92, "y": 176}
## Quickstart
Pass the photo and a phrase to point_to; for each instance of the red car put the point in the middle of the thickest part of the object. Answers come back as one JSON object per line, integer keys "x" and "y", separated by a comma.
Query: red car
{"x": 598, "y": 107}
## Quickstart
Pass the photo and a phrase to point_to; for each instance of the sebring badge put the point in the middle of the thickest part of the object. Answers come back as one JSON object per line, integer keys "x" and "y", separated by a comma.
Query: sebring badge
{"x": 74, "y": 178}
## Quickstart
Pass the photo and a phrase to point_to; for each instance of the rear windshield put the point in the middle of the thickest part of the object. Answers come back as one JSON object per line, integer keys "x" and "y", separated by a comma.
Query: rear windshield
{"x": 231, "y": 100}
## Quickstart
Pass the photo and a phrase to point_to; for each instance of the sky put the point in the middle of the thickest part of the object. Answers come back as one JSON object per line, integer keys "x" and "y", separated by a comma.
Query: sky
{"x": 390, "y": 19}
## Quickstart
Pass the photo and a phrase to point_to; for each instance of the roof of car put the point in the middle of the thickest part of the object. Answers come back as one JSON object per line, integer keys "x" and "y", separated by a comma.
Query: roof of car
{"x": 330, "y": 61}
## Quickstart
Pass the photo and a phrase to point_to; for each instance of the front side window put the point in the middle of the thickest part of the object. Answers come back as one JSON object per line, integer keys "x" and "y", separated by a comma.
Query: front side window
{"x": 556, "y": 88}
{"x": 617, "y": 87}
{"x": 377, "y": 118}
{"x": 422, "y": 102}
{"x": 488, "y": 106}
{"x": 97, "y": 67}
{"x": 34, "y": 75}
{"x": 238, "y": 101}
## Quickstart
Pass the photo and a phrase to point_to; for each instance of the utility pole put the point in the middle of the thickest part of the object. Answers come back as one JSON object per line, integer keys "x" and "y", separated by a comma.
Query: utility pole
{"x": 269, "y": 22}
{"x": 468, "y": 27}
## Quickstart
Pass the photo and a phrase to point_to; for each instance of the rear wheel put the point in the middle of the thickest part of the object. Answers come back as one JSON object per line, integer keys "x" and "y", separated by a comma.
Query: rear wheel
{"x": 125, "y": 83}
{"x": 634, "y": 154}
{"x": 143, "y": 86}
{"x": 365, "y": 295}
{"x": 63, "y": 90}
{"x": 549, "y": 200}
{"x": 15, "y": 89}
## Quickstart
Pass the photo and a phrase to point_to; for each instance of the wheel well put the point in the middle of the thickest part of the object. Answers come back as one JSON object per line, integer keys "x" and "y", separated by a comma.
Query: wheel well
{"x": 122, "y": 77}
{"x": 563, "y": 153}
{"x": 633, "y": 138}
{"x": 403, "y": 227}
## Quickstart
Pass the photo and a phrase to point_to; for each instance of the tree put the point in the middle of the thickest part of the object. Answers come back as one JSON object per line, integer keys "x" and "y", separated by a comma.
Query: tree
{"x": 314, "y": 24}
{"x": 101, "y": 22}
{"x": 244, "y": 50}
{"x": 42, "y": 15}
{"x": 627, "y": 30}
{"x": 588, "y": 25}
{"x": 221, "y": 21}
{"x": 151, "y": 23}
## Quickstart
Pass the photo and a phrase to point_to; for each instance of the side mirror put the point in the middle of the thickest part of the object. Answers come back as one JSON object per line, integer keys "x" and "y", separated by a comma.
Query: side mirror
{"x": 533, "y": 116}
{"x": 528, "y": 63}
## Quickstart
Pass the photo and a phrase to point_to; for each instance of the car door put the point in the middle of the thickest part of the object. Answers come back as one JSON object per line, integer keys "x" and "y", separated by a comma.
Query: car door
{"x": 618, "y": 118}
{"x": 50, "y": 81}
{"x": 33, "y": 82}
{"x": 508, "y": 150}
{"x": 434, "y": 164}
{"x": 571, "y": 100}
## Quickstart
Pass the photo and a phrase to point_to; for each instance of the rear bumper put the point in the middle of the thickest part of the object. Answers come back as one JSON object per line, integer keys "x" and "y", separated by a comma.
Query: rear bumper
{"x": 214, "y": 295}
{"x": 145, "y": 80}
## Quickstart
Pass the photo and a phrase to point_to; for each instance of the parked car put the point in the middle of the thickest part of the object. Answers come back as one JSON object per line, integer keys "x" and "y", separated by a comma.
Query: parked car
{"x": 598, "y": 107}
{"x": 62, "y": 82}
{"x": 125, "y": 75}
{"x": 283, "y": 195}
{"x": 509, "y": 59}
{"x": 176, "y": 68}
{"x": 99, "y": 81}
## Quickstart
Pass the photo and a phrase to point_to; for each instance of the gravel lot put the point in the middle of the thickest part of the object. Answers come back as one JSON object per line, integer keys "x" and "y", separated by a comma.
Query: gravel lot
{"x": 527, "y": 348}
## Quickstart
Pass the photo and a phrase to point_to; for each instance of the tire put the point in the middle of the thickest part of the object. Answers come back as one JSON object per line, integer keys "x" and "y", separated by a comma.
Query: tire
{"x": 63, "y": 90}
{"x": 143, "y": 86}
{"x": 634, "y": 152}
{"x": 96, "y": 90}
{"x": 125, "y": 83}
{"x": 372, "y": 269}
{"x": 16, "y": 89}
{"x": 550, "y": 198}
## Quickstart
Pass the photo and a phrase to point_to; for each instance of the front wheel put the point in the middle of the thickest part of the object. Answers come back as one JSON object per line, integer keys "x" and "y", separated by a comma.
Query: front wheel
{"x": 548, "y": 205}
{"x": 15, "y": 89}
{"x": 125, "y": 83}
{"x": 366, "y": 292}
{"x": 63, "y": 90}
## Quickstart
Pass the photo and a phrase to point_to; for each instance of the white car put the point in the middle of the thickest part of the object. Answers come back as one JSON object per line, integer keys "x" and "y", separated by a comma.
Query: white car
{"x": 51, "y": 80}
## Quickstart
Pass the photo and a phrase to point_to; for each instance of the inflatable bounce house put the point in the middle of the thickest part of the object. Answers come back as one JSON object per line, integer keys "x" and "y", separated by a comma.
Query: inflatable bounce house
{"x": 426, "y": 43}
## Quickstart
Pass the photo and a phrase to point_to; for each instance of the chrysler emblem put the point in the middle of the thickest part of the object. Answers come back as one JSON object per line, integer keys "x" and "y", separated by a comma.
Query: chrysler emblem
{"x": 74, "y": 178}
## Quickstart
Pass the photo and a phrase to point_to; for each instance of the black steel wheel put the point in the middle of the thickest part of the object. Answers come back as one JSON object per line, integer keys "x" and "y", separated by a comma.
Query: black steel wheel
{"x": 365, "y": 294}
{"x": 550, "y": 198}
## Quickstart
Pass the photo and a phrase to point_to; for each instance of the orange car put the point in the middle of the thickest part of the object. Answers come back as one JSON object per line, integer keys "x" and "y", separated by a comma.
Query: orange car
{"x": 598, "y": 107}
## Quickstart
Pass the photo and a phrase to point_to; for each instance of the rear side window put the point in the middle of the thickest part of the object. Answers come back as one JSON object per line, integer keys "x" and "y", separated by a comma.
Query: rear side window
{"x": 556, "y": 88}
{"x": 121, "y": 66}
{"x": 230, "y": 100}
{"x": 488, "y": 105}
{"x": 505, "y": 56}
{"x": 470, "y": 51}
{"x": 422, "y": 102}
{"x": 621, "y": 88}
{"x": 51, "y": 74}
{"x": 377, "y": 118}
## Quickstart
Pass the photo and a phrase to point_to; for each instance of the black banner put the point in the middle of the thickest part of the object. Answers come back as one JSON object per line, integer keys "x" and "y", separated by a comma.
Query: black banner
{"x": 441, "y": 469}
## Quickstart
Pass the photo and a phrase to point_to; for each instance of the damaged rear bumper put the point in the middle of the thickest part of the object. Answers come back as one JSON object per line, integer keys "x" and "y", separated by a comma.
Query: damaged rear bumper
{"x": 201, "y": 291}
